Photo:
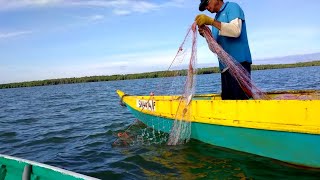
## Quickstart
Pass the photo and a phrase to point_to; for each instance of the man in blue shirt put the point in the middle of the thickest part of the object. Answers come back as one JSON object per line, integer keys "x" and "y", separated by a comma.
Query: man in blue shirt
{"x": 229, "y": 30}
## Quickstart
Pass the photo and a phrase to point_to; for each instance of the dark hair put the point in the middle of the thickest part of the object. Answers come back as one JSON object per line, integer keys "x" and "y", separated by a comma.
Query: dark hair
{"x": 203, "y": 4}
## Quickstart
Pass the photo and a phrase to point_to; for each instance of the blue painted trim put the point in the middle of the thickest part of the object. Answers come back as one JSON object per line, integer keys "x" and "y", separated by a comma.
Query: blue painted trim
{"x": 296, "y": 148}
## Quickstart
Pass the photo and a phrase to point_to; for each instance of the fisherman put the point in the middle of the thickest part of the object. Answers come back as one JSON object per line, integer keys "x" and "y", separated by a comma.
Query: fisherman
{"x": 229, "y": 30}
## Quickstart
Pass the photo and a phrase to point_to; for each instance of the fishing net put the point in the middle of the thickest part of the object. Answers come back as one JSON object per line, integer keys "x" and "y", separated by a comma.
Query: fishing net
{"x": 181, "y": 130}
{"x": 155, "y": 130}
{"x": 234, "y": 67}
{"x": 139, "y": 133}
{"x": 295, "y": 95}
{"x": 159, "y": 130}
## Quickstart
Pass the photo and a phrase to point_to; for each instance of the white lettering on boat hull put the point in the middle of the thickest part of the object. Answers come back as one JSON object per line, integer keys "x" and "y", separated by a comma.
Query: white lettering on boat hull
{"x": 146, "y": 104}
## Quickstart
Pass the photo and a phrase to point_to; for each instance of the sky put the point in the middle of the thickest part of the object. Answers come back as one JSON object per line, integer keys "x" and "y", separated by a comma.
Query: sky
{"x": 48, "y": 39}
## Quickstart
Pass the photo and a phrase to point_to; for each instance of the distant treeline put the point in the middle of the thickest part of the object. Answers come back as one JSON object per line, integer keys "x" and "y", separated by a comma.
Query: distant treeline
{"x": 157, "y": 74}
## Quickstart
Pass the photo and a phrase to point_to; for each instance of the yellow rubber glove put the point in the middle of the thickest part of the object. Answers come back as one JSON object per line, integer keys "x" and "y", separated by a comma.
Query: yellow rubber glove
{"x": 203, "y": 19}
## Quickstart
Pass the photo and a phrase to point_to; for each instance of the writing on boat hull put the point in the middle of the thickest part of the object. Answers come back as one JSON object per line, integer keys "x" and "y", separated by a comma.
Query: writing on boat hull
{"x": 146, "y": 105}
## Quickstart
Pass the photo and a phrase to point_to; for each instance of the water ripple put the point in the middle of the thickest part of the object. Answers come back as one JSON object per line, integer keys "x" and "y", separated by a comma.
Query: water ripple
{"x": 73, "y": 127}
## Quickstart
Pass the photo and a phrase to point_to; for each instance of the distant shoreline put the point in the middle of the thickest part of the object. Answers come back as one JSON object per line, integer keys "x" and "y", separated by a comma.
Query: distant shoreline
{"x": 157, "y": 74}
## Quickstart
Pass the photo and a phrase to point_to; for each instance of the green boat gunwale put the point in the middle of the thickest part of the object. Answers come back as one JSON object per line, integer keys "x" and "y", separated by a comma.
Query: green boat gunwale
{"x": 6, "y": 160}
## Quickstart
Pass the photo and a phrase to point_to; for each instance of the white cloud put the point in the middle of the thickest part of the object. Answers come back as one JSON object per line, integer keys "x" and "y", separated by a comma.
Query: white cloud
{"x": 96, "y": 17}
{"x": 121, "y": 12}
{"x": 114, "y": 64}
{"x": 4, "y": 35}
{"x": 119, "y": 7}
{"x": 16, "y": 4}
{"x": 130, "y": 63}
{"x": 143, "y": 61}
{"x": 268, "y": 43}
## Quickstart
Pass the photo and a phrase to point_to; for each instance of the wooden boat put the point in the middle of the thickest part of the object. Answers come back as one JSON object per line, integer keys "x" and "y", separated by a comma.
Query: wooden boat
{"x": 17, "y": 168}
{"x": 286, "y": 130}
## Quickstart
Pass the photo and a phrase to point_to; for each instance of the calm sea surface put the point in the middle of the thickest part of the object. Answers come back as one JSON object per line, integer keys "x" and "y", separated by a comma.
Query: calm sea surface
{"x": 73, "y": 127}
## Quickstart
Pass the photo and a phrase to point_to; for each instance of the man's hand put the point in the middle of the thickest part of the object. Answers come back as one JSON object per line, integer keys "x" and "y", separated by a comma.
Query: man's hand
{"x": 203, "y": 19}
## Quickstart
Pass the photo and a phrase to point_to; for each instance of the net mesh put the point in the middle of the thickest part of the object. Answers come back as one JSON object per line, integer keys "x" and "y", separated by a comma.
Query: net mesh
{"x": 158, "y": 130}
{"x": 155, "y": 130}
{"x": 181, "y": 129}
{"x": 234, "y": 67}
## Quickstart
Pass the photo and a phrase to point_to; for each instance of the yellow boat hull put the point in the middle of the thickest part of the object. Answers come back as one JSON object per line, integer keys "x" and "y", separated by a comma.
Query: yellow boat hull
{"x": 287, "y": 130}
{"x": 302, "y": 116}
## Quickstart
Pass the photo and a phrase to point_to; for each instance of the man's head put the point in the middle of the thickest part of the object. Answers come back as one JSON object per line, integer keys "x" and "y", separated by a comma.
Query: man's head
{"x": 211, "y": 5}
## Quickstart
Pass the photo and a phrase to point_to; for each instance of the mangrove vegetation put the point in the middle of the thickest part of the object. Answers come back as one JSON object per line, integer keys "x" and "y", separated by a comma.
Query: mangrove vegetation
{"x": 157, "y": 74}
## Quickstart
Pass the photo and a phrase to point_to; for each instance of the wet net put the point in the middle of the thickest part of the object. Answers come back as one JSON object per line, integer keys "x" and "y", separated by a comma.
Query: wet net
{"x": 159, "y": 130}
{"x": 181, "y": 130}
{"x": 155, "y": 130}
{"x": 234, "y": 67}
